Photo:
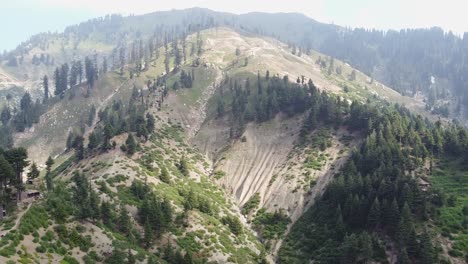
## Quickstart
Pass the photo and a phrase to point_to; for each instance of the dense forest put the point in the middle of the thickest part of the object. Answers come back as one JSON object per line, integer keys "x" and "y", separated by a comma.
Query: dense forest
{"x": 377, "y": 198}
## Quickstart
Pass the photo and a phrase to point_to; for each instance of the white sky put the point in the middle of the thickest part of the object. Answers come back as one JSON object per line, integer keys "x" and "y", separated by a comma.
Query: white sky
{"x": 27, "y": 17}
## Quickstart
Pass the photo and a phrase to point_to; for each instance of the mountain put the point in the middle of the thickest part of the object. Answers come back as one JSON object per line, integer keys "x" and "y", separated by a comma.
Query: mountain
{"x": 425, "y": 63}
{"x": 193, "y": 136}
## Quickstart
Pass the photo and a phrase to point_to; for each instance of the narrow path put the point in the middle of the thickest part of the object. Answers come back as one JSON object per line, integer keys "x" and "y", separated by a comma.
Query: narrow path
{"x": 202, "y": 102}
{"x": 316, "y": 192}
{"x": 17, "y": 221}
{"x": 100, "y": 107}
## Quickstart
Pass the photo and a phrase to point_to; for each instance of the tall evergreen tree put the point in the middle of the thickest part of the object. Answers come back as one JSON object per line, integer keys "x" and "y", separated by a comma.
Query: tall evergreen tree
{"x": 131, "y": 144}
{"x": 18, "y": 159}
{"x": 125, "y": 225}
{"x": 373, "y": 219}
{"x": 7, "y": 174}
{"x": 34, "y": 172}
{"x": 45, "y": 84}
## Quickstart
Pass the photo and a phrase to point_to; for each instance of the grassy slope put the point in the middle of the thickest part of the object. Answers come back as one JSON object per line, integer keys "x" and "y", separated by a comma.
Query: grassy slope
{"x": 206, "y": 235}
{"x": 451, "y": 177}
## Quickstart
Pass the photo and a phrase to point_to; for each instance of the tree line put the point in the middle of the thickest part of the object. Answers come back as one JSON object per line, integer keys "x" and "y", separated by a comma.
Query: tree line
{"x": 374, "y": 197}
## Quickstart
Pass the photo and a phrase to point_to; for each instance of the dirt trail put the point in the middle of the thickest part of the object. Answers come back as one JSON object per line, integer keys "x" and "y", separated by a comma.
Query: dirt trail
{"x": 17, "y": 221}
{"x": 199, "y": 116}
{"x": 315, "y": 192}
{"x": 100, "y": 107}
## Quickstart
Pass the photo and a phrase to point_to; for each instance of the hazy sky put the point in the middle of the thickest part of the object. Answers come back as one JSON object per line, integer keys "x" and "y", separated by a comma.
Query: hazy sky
{"x": 19, "y": 19}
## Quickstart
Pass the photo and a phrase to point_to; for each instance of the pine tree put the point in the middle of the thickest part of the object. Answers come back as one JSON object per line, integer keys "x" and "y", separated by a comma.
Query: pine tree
{"x": 49, "y": 182}
{"x": 403, "y": 257}
{"x": 93, "y": 141}
{"x": 58, "y": 88}
{"x": 131, "y": 144}
{"x": 168, "y": 253}
{"x": 7, "y": 174}
{"x": 166, "y": 62}
{"x": 17, "y": 157}
{"x": 107, "y": 214}
{"x": 34, "y": 172}
{"x": 124, "y": 221}
{"x": 49, "y": 164}
{"x": 392, "y": 216}
{"x": 94, "y": 204}
{"x": 78, "y": 145}
{"x": 405, "y": 225}
{"x": 48, "y": 177}
{"x": 104, "y": 65}
{"x": 188, "y": 258}
{"x": 45, "y": 84}
{"x": 81, "y": 196}
{"x": 259, "y": 83}
{"x": 178, "y": 257}
{"x": 148, "y": 236}
{"x": 167, "y": 213}
{"x": 150, "y": 122}
{"x": 90, "y": 72}
{"x": 339, "y": 225}
{"x": 5, "y": 115}
{"x": 164, "y": 177}
{"x": 412, "y": 246}
{"x": 130, "y": 257}
{"x": 373, "y": 218}
{"x": 427, "y": 250}
{"x": 108, "y": 134}
{"x": 183, "y": 167}
{"x": 220, "y": 107}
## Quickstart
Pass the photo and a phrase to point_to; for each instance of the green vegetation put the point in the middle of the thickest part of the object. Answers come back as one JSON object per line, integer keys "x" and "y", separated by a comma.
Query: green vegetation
{"x": 315, "y": 161}
{"x": 251, "y": 204}
{"x": 233, "y": 223}
{"x": 219, "y": 174}
{"x": 271, "y": 225}
{"x": 450, "y": 180}
{"x": 35, "y": 218}
{"x": 374, "y": 195}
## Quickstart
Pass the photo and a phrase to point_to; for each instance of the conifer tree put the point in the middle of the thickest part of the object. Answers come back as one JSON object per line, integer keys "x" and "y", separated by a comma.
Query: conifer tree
{"x": 124, "y": 221}
{"x": 148, "y": 235}
{"x": 17, "y": 157}
{"x": 427, "y": 250}
{"x": 403, "y": 257}
{"x": 373, "y": 219}
{"x": 81, "y": 192}
{"x": 48, "y": 177}
{"x": 94, "y": 204}
{"x": 7, "y": 174}
{"x": 34, "y": 172}
{"x": 183, "y": 167}
{"x": 93, "y": 141}
{"x": 150, "y": 122}
{"x": 45, "y": 84}
{"x": 130, "y": 257}
{"x": 164, "y": 177}
{"x": 130, "y": 144}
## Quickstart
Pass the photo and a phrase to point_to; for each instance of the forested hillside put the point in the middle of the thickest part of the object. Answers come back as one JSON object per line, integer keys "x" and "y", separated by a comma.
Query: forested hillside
{"x": 188, "y": 137}
{"x": 428, "y": 62}
{"x": 378, "y": 207}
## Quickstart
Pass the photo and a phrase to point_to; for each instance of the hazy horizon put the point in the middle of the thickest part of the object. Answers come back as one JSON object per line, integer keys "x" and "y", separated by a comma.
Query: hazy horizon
{"x": 56, "y": 15}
